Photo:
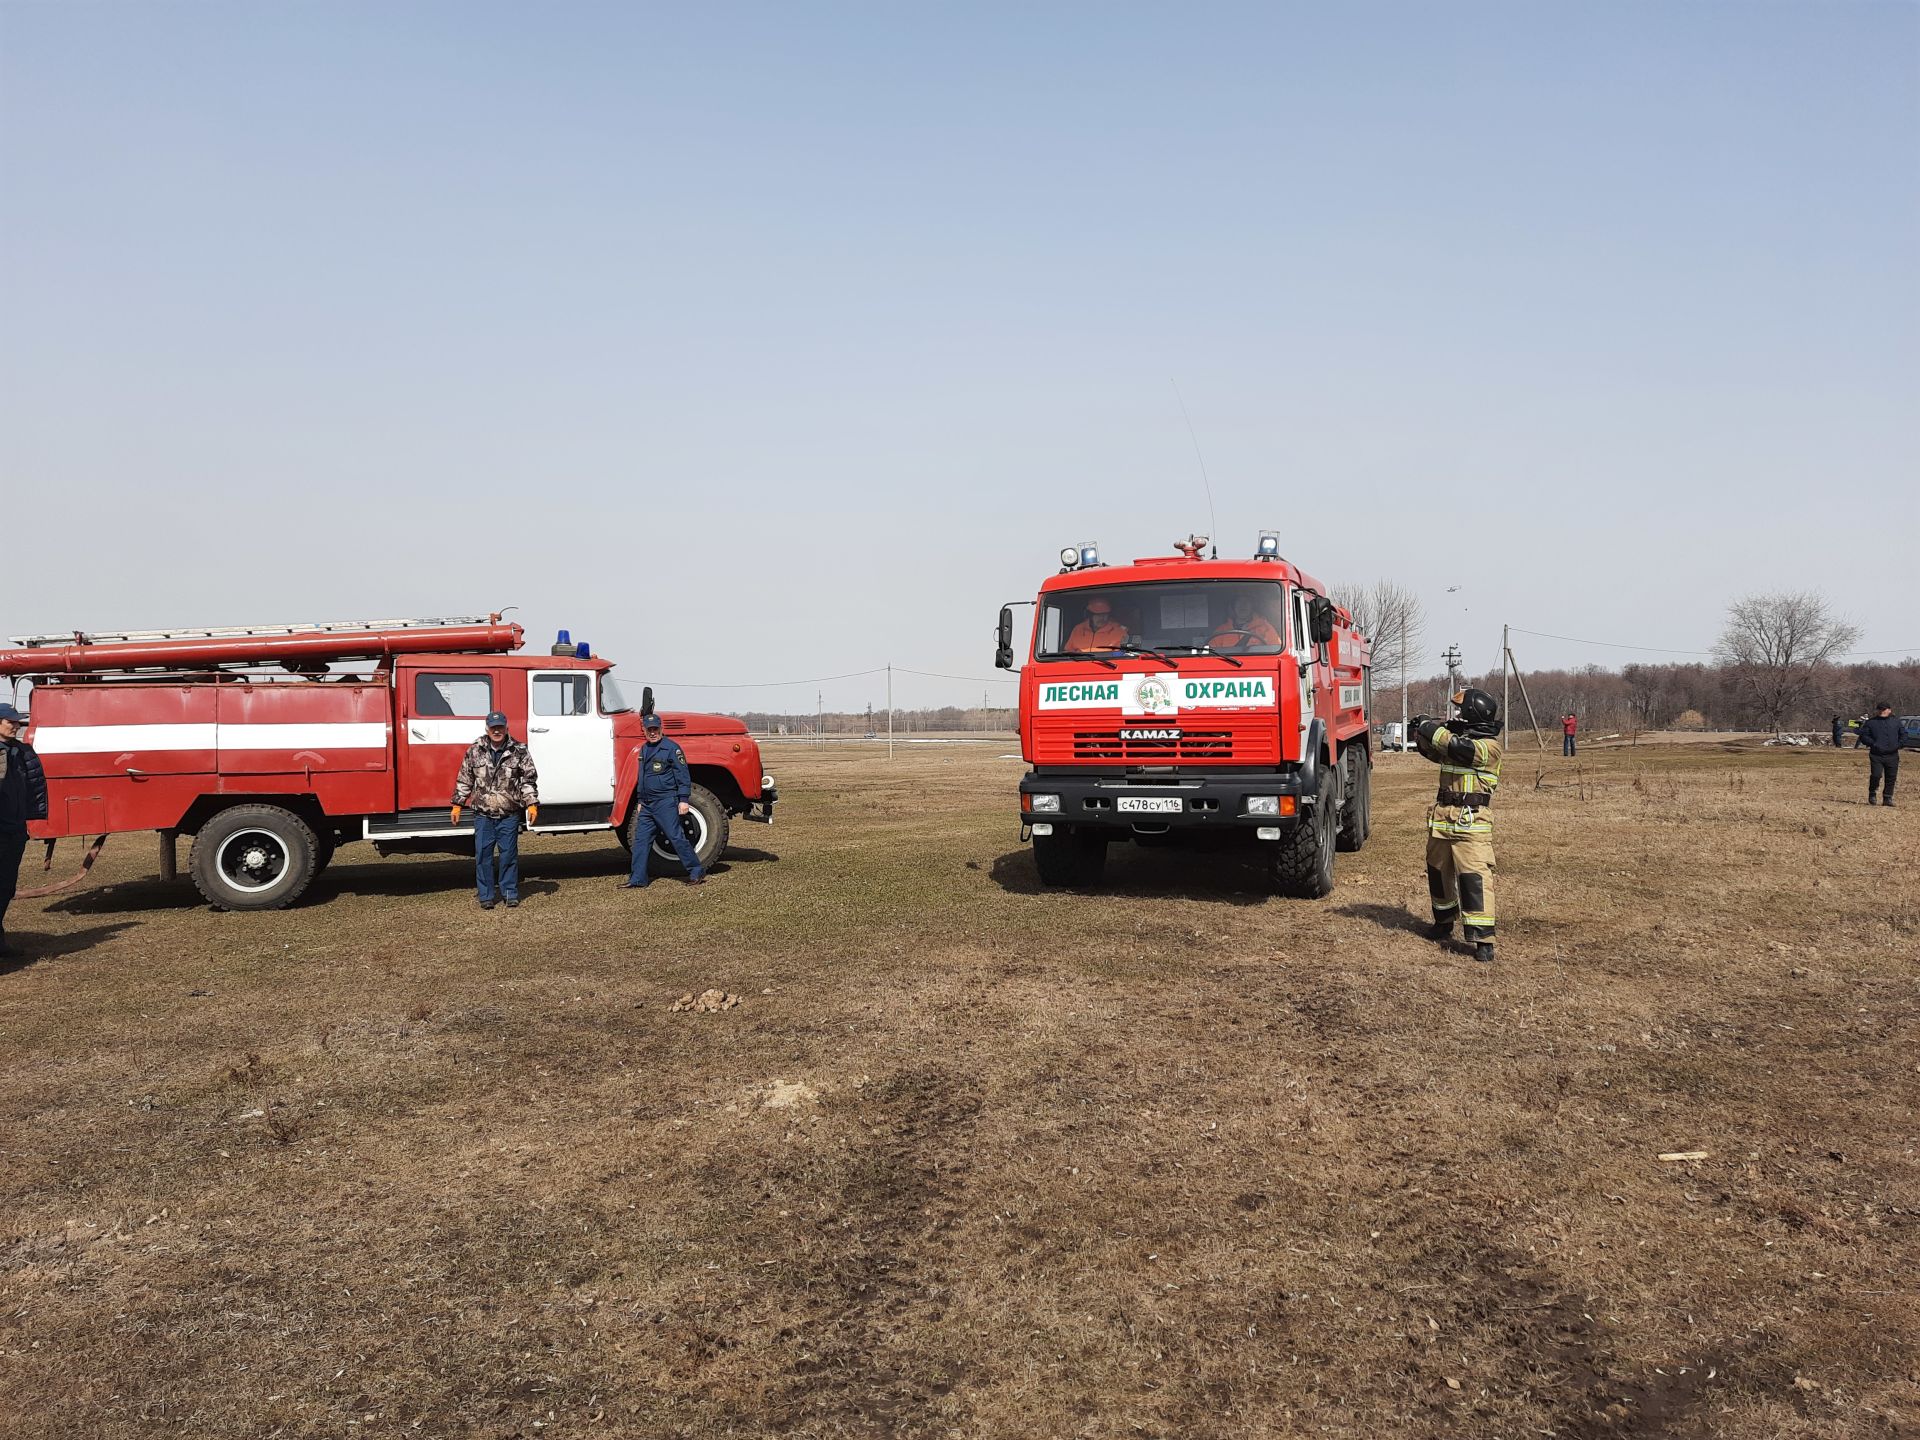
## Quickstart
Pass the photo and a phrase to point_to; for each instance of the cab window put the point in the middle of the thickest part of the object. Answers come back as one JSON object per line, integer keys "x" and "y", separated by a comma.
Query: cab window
{"x": 563, "y": 694}
{"x": 452, "y": 696}
{"x": 1241, "y": 617}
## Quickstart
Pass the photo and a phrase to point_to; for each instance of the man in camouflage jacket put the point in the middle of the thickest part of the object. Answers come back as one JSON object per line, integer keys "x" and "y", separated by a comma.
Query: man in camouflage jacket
{"x": 497, "y": 777}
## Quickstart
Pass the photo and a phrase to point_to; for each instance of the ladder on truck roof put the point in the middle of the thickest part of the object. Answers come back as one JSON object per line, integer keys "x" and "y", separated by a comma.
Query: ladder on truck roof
{"x": 300, "y": 649}
{"x": 319, "y": 627}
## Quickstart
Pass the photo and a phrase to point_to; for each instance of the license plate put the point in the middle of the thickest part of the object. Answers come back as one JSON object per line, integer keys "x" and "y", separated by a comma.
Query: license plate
{"x": 1149, "y": 805}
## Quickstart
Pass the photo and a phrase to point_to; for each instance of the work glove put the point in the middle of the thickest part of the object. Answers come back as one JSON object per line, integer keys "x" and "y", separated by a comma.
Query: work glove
{"x": 454, "y": 815}
{"x": 533, "y": 814}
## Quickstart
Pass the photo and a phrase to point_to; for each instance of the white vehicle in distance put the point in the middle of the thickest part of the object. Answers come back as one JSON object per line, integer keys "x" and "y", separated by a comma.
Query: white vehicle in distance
{"x": 1395, "y": 736}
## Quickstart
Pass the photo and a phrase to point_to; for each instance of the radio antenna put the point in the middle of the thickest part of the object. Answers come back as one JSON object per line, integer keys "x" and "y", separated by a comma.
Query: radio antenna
{"x": 1212, "y": 520}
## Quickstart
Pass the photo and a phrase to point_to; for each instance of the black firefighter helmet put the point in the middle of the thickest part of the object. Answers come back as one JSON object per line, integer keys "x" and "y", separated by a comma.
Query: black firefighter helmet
{"x": 1479, "y": 709}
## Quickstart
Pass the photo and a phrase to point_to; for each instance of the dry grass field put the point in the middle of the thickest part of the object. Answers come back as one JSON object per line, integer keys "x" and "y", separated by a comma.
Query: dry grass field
{"x": 968, "y": 1159}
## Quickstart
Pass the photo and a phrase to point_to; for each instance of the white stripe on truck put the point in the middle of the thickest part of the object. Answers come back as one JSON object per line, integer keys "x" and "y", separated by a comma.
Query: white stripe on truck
{"x": 153, "y": 739}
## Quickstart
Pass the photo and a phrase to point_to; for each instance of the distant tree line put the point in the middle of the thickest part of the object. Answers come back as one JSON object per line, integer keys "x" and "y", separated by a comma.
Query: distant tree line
{"x": 1779, "y": 665}
{"x": 946, "y": 719}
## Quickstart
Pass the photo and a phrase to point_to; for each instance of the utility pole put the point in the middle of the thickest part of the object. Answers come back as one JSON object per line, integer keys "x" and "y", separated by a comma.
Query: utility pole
{"x": 1452, "y": 657}
{"x": 1506, "y": 674}
{"x": 889, "y": 710}
{"x": 820, "y": 716}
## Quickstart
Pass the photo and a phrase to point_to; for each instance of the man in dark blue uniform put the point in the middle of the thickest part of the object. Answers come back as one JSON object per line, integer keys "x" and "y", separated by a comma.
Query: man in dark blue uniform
{"x": 1880, "y": 737}
{"x": 665, "y": 793}
{"x": 23, "y": 797}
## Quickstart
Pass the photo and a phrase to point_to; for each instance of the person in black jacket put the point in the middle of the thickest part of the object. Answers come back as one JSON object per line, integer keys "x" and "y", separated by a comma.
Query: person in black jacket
{"x": 23, "y": 797}
{"x": 1881, "y": 737}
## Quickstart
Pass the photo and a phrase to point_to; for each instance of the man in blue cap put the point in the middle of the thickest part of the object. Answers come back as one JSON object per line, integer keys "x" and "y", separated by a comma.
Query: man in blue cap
{"x": 498, "y": 778}
{"x": 23, "y": 797}
{"x": 665, "y": 793}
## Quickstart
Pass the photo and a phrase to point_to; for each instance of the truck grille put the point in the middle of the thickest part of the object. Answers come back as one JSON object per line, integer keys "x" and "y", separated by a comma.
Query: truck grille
{"x": 1192, "y": 745}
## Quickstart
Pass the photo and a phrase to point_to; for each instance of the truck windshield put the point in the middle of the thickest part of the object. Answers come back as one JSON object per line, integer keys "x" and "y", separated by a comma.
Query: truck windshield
{"x": 1227, "y": 617}
{"x": 612, "y": 702}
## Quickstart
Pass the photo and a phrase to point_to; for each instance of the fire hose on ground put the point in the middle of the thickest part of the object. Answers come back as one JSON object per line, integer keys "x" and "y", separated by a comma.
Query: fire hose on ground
{"x": 86, "y": 864}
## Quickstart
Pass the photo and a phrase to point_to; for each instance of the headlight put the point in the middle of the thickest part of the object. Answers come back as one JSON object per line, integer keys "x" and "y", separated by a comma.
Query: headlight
{"x": 1046, "y": 804}
{"x": 1070, "y": 556}
{"x": 1263, "y": 805}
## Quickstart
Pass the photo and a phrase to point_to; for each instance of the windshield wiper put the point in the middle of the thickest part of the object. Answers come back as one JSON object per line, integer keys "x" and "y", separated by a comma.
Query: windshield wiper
{"x": 1076, "y": 655}
{"x": 1210, "y": 651}
{"x": 1129, "y": 648}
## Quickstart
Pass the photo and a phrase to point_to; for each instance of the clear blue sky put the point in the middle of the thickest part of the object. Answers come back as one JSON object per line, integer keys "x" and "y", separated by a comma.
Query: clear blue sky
{"x": 757, "y": 342}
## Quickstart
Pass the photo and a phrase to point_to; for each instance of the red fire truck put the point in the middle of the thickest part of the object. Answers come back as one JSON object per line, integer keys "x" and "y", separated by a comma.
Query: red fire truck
{"x": 1186, "y": 699}
{"x": 273, "y": 746}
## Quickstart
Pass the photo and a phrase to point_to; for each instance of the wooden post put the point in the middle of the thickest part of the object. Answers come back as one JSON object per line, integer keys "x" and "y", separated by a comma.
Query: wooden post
{"x": 1539, "y": 739}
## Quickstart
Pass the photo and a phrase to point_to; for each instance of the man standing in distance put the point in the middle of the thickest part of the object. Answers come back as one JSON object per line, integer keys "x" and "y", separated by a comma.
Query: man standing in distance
{"x": 664, "y": 794}
{"x": 23, "y": 797}
{"x": 1881, "y": 737}
{"x": 1569, "y": 728}
{"x": 498, "y": 777}
{"x": 1459, "y": 829}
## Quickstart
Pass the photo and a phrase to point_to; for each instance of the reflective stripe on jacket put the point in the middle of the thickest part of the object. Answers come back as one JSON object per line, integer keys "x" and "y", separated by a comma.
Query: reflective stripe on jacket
{"x": 1468, "y": 765}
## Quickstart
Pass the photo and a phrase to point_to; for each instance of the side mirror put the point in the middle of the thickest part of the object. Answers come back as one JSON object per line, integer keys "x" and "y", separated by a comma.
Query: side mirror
{"x": 1003, "y": 656}
{"x": 646, "y": 699}
{"x": 1322, "y": 620}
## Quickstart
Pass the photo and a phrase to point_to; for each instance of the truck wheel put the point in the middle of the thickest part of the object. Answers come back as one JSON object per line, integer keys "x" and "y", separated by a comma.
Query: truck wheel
{"x": 254, "y": 857}
{"x": 1075, "y": 860}
{"x": 707, "y": 825}
{"x": 1356, "y": 806}
{"x": 1302, "y": 863}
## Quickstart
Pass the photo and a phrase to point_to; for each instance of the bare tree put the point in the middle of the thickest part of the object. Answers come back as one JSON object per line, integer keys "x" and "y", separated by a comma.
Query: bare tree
{"x": 1394, "y": 622}
{"x": 1776, "y": 648}
{"x": 1392, "y": 619}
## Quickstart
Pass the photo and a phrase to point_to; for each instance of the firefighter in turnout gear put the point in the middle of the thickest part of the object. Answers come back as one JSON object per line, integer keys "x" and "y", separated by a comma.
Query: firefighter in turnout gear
{"x": 1459, "y": 825}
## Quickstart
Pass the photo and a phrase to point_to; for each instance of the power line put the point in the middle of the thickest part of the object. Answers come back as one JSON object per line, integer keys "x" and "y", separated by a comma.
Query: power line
{"x": 824, "y": 679}
{"x": 976, "y": 679}
{"x": 1609, "y": 644}
{"x": 763, "y": 684}
{"x": 1663, "y": 650}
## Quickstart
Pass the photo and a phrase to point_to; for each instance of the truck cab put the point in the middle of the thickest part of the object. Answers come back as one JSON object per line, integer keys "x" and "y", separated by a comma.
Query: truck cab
{"x": 1191, "y": 700}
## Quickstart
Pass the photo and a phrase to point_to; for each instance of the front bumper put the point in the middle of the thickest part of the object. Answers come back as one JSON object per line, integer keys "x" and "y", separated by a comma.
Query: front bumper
{"x": 1210, "y": 800}
{"x": 761, "y": 811}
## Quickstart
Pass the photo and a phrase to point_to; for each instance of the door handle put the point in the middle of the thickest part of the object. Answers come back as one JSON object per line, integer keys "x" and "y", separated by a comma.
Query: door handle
{"x": 414, "y": 734}
{"x": 539, "y": 730}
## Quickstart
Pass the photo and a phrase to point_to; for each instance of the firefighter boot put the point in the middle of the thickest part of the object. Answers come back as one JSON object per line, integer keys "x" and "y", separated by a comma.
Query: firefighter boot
{"x": 1483, "y": 951}
{"x": 1441, "y": 930}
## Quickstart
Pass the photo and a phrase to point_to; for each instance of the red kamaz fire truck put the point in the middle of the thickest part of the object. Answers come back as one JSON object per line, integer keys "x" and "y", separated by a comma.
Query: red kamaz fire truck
{"x": 1188, "y": 699}
{"x": 273, "y": 746}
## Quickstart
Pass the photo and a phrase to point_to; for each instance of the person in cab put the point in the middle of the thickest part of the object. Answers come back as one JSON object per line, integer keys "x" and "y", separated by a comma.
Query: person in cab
{"x": 1245, "y": 628}
{"x": 1099, "y": 631}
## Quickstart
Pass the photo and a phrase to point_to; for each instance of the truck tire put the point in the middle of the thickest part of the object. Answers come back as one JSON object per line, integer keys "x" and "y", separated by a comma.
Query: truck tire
{"x": 1302, "y": 863}
{"x": 1356, "y": 805}
{"x": 1074, "y": 861}
{"x": 707, "y": 823}
{"x": 254, "y": 857}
